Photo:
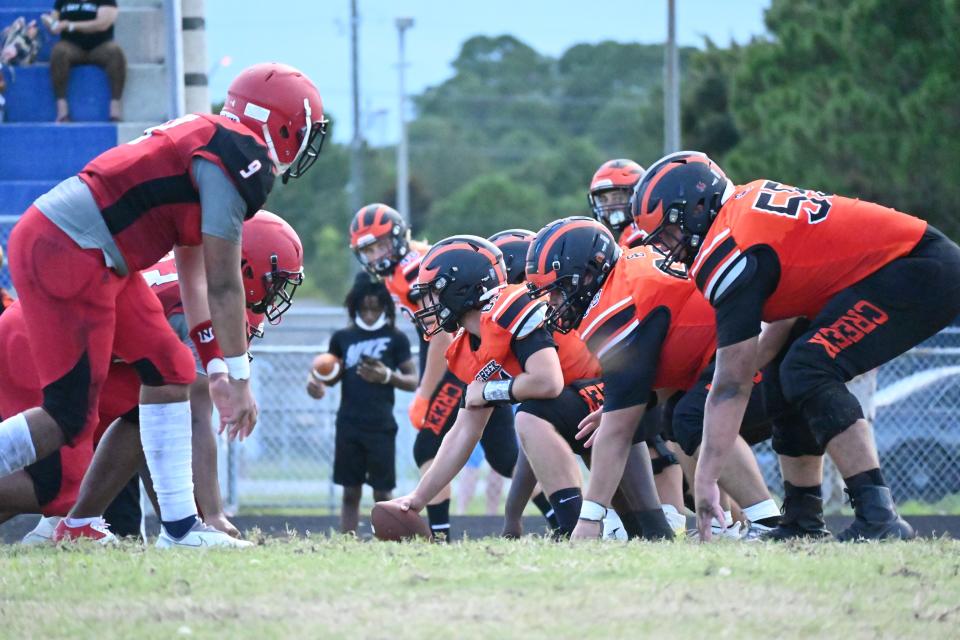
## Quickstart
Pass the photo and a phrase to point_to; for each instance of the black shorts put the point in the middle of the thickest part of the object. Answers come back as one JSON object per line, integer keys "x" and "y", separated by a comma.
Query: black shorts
{"x": 882, "y": 316}
{"x": 566, "y": 411}
{"x": 688, "y": 409}
{"x": 499, "y": 442}
{"x": 365, "y": 456}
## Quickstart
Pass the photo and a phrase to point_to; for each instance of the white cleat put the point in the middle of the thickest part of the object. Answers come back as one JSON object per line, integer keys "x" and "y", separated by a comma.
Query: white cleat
{"x": 755, "y": 532}
{"x": 613, "y": 527}
{"x": 43, "y": 532}
{"x": 201, "y": 535}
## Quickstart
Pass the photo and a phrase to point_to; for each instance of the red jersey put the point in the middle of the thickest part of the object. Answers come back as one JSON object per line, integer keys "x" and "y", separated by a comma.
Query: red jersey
{"x": 824, "y": 243}
{"x": 634, "y": 289}
{"x": 164, "y": 281}
{"x": 491, "y": 356}
{"x": 401, "y": 281}
{"x": 146, "y": 192}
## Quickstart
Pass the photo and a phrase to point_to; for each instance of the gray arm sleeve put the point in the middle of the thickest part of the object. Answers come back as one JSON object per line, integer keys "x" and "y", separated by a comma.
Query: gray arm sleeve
{"x": 221, "y": 206}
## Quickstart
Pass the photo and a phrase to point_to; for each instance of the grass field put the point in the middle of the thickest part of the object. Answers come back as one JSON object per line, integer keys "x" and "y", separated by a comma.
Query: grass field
{"x": 342, "y": 588}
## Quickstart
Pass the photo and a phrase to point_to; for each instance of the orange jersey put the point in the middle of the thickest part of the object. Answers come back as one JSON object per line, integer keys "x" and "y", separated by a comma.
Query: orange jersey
{"x": 401, "y": 281}
{"x": 825, "y": 243}
{"x": 635, "y": 288}
{"x": 491, "y": 356}
{"x": 631, "y": 237}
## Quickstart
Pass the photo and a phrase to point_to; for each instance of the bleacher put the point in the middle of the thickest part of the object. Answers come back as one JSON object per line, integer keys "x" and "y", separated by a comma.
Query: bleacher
{"x": 35, "y": 152}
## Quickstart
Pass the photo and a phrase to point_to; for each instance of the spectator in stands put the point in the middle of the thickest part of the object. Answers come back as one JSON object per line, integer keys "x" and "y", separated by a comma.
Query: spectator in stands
{"x": 86, "y": 37}
{"x": 5, "y": 298}
{"x": 376, "y": 358}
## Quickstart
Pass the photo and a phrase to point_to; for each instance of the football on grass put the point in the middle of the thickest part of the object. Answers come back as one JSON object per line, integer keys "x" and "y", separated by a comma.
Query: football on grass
{"x": 327, "y": 368}
{"x": 390, "y": 523}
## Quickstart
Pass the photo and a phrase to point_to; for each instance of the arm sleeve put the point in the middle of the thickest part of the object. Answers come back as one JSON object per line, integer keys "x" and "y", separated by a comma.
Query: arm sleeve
{"x": 335, "y": 347}
{"x": 630, "y": 368}
{"x": 525, "y": 347}
{"x": 221, "y": 205}
{"x": 739, "y": 298}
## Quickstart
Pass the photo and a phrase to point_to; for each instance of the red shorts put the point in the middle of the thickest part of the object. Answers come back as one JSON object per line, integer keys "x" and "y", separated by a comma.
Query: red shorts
{"x": 78, "y": 314}
{"x": 57, "y": 478}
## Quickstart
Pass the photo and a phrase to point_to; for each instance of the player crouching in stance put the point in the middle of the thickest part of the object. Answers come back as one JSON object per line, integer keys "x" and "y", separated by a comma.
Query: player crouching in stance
{"x": 769, "y": 252}
{"x": 272, "y": 260}
{"x": 650, "y": 331}
{"x": 187, "y": 185}
{"x": 503, "y": 349}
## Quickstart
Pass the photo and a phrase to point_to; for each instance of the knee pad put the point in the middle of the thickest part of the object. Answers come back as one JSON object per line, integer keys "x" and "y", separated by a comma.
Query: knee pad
{"x": 792, "y": 437}
{"x": 67, "y": 400}
{"x": 830, "y": 412}
{"x": 666, "y": 459}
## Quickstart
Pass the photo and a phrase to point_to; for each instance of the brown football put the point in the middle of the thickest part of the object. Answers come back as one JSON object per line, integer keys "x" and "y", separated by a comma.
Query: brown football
{"x": 327, "y": 368}
{"x": 390, "y": 523}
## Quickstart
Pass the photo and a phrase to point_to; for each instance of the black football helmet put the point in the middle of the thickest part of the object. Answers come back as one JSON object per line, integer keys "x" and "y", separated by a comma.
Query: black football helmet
{"x": 370, "y": 224}
{"x": 458, "y": 274}
{"x": 513, "y": 244}
{"x": 572, "y": 256}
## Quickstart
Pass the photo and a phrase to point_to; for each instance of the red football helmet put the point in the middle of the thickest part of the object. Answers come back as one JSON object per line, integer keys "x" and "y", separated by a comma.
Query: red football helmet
{"x": 614, "y": 175}
{"x": 272, "y": 264}
{"x": 281, "y": 105}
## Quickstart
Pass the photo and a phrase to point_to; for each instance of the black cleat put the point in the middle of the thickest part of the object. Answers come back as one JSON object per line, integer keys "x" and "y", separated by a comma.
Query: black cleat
{"x": 876, "y": 517}
{"x": 802, "y": 517}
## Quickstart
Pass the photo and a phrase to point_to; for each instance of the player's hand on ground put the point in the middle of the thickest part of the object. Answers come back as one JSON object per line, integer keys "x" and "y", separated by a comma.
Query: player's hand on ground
{"x": 586, "y": 530}
{"x": 588, "y": 427}
{"x": 410, "y": 502}
{"x": 707, "y": 495}
{"x": 417, "y": 411}
{"x": 235, "y": 404}
{"x": 373, "y": 371}
{"x": 220, "y": 521}
{"x": 315, "y": 388}
{"x": 474, "y": 399}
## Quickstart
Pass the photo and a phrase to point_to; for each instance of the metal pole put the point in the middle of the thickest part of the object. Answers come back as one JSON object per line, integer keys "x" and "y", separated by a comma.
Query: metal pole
{"x": 197, "y": 96}
{"x": 671, "y": 84}
{"x": 355, "y": 190}
{"x": 403, "y": 182}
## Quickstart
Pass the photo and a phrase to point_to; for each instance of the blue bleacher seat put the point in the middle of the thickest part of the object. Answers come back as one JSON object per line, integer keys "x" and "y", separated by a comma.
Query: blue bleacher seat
{"x": 51, "y": 151}
{"x": 30, "y": 94}
{"x": 17, "y": 195}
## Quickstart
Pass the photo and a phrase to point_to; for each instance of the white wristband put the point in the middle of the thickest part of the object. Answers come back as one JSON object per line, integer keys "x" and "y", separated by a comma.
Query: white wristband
{"x": 238, "y": 367}
{"x": 217, "y": 365}
{"x": 389, "y": 376}
{"x": 592, "y": 511}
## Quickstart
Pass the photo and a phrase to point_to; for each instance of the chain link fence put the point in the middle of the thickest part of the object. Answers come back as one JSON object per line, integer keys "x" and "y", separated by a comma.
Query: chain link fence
{"x": 288, "y": 461}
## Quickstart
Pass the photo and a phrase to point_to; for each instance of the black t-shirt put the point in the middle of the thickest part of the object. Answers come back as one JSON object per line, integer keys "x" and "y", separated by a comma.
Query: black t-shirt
{"x": 83, "y": 12}
{"x": 363, "y": 404}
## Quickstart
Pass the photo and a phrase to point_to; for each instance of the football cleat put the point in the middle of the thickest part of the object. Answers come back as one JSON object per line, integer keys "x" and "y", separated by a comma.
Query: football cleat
{"x": 43, "y": 532}
{"x": 876, "y": 517}
{"x": 200, "y": 535}
{"x": 97, "y": 530}
{"x": 612, "y": 527}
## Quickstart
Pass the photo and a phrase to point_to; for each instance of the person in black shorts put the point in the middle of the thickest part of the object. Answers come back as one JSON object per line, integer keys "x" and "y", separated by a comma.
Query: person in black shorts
{"x": 376, "y": 359}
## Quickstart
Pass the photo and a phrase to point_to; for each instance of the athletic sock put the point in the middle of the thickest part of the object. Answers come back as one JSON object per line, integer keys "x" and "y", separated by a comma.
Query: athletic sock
{"x": 792, "y": 490}
{"x": 16, "y": 445}
{"x": 868, "y": 478}
{"x": 566, "y": 506}
{"x": 166, "y": 435}
{"x": 179, "y": 528}
{"x": 439, "y": 517}
{"x": 543, "y": 504}
{"x": 765, "y": 513}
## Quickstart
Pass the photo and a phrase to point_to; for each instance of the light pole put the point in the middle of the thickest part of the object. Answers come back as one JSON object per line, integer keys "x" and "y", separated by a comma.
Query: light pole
{"x": 355, "y": 187}
{"x": 671, "y": 84}
{"x": 403, "y": 182}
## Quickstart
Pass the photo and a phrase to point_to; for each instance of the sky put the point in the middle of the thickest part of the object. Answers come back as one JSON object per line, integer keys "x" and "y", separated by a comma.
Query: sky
{"x": 314, "y": 35}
